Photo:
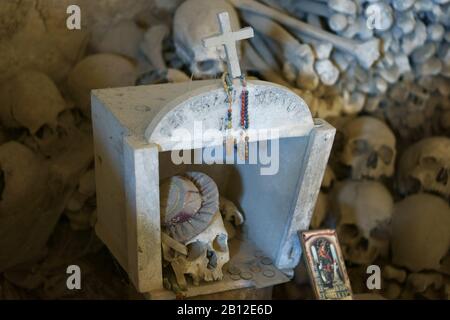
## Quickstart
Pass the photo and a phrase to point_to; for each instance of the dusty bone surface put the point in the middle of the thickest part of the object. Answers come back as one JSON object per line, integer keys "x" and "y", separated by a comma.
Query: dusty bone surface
{"x": 407, "y": 86}
{"x": 365, "y": 52}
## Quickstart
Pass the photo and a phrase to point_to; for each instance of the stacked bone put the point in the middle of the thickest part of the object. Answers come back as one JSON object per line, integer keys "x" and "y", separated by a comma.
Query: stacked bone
{"x": 409, "y": 237}
{"x": 388, "y": 59}
{"x": 402, "y": 81}
{"x": 47, "y": 185}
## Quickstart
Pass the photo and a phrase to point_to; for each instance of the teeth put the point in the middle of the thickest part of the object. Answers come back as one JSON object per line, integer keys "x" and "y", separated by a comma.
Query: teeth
{"x": 442, "y": 176}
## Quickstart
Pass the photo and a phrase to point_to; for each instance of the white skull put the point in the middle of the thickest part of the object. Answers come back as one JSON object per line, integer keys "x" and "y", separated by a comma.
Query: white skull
{"x": 420, "y": 232}
{"x": 363, "y": 210}
{"x": 207, "y": 253}
{"x": 32, "y": 101}
{"x": 425, "y": 166}
{"x": 194, "y": 21}
{"x": 369, "y": 148}
{"x": 98, "y": 71}
{"x": 24, "y": 181}
{"x": 23, "y": 175}
{"x": 195, "y": 241}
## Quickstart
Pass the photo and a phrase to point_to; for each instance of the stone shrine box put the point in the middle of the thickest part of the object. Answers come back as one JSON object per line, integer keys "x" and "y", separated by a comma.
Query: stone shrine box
{"x": 134, "y": 133}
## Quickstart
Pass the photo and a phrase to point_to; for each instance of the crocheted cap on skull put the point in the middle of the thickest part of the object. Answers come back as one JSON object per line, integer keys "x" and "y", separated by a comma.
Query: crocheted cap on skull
{"x": 188, "y": 204}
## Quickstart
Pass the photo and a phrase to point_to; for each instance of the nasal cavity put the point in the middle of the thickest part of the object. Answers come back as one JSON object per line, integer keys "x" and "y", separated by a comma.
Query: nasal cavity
{"x": 212, "y": 257}
{"x": 372, "y": 161}
{"x": 207, "y": 65}
{"x": 442, "y": 176}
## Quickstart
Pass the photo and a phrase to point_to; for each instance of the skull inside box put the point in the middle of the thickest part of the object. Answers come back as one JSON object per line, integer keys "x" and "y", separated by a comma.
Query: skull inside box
{"x": 137, "y": 132}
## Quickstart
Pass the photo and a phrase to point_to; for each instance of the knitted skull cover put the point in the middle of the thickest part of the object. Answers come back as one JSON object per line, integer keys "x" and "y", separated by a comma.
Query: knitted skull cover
{"x": 188, "y": 204}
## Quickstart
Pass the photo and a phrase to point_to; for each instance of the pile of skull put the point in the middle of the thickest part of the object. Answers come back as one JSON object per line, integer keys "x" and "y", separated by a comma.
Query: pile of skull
{"x": 380, "y": 204}
{"x": 386, "y": 190}
{"x": 387, "y": 58}
{"x": 396, "y": 219}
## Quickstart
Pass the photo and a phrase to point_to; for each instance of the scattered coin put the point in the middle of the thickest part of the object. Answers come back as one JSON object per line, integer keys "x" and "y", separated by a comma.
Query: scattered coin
{"x": 235, "y": 277}
{"x": 268, "y": 273}
{"x": 255, "y": 269}
{"x": 246, "y": 275}
{"x": 234, "y": 270}
{"x": 266, "y": 261}
{"x": 259, "y": 254}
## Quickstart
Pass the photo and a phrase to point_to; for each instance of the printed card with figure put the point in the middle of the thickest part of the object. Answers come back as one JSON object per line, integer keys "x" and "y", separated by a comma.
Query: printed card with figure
{"x": 325, "y": 264}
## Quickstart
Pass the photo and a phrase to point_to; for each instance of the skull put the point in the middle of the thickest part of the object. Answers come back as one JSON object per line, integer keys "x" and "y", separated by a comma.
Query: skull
{"x": 24, "y": 178}
{"x": 207, "y": 253}
{"x": 363, "y": 210}
{"x": 191, "y": 217}
{"x": 97, "y": 71}
{"x": 32, "y": 101}
{"x": 194, "y": 21}
{"x": 425, "y": 166}
{"x": 369, "y": 148}
{"x": 420, "y": 232}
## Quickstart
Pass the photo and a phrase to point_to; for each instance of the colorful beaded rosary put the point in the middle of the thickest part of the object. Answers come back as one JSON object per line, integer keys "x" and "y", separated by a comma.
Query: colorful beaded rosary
{"x": 228, "y": 86}
{"x": 244, "y": 113}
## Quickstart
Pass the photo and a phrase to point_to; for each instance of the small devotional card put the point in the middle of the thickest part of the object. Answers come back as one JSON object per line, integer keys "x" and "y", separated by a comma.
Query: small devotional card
{"x": 325, "y": 263}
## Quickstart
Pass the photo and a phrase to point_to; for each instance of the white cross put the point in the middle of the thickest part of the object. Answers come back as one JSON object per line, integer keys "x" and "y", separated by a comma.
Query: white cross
{"x": 228, "y": 39}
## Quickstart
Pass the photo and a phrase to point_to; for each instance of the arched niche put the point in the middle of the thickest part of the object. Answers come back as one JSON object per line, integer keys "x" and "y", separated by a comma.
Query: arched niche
{"x": 136, "y": 129}
{"x": 271, "y": 107}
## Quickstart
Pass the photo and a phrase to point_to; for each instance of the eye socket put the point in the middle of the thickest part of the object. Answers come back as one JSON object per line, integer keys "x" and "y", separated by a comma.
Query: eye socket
{"x": 386, "y": 154}
{"x": 382, "y": 231}
{"x": 44, "y": 131}
{"x": 195, "y": 250}
{"x": 220, "y": 243}
{"x": 360, "y": 147}
{"x": 207, "y": 65}
{"x": 428, "y": 161}
{"x": 348, "y": 232}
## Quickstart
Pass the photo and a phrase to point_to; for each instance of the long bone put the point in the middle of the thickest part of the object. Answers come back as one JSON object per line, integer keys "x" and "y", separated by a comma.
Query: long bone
{"x": 152, "y": 46}
{"x": 366, "y": 52}
{"x": 337, "y": 21}
{"x": 277, "y": 33}
{"x": 253, "y": 59}
{"x": 266, "y": 54}
{"x": 292, "y": 51}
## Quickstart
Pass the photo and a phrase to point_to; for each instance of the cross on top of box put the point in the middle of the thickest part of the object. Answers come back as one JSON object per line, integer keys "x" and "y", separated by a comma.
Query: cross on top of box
{"x": 228, "y": 39}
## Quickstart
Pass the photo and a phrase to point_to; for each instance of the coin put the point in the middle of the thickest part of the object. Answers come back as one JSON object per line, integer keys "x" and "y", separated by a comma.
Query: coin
{"x": 235, "y": 277}
{"x": 268, "y": 273}
{"x": 266, "y": 261}
{"x": 259, "y": 254}
{"x": 234, "y": 270}
{"x": 246, "y": 275}
{"x": 255, "y": 269}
